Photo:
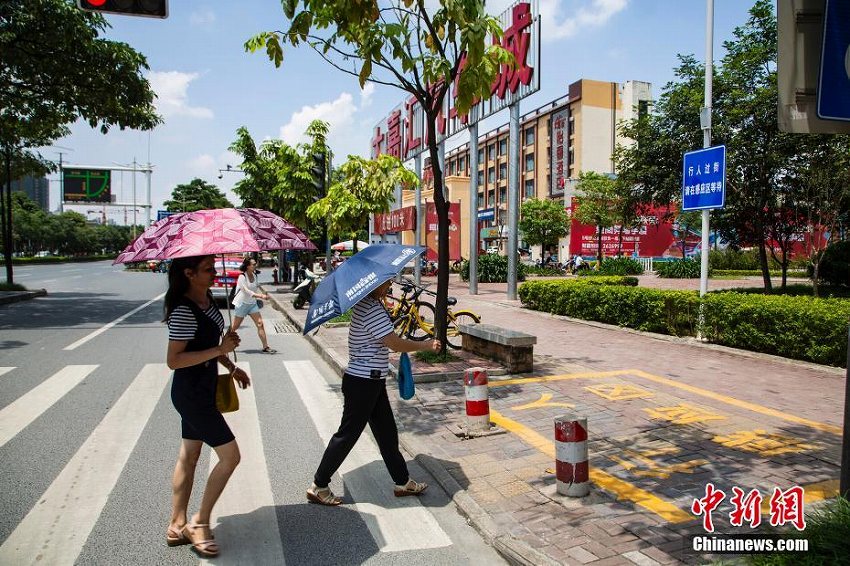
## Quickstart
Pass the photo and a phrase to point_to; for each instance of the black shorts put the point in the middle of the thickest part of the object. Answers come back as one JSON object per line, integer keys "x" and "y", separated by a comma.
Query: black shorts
{"x": 200, "y": 420}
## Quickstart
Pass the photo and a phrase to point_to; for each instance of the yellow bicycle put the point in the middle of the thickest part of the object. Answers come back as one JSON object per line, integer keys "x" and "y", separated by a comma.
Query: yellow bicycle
{"x": 414, "y": 319}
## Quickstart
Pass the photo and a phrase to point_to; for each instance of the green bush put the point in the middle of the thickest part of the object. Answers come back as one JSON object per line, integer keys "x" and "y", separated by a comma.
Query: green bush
{"x": 616, "y": 266}
{"x": 678, "y": 269}
{"x": 756, "y": 273}
{"x": 803, "y": 328}
{"x": 492, "y": 268}
{"x": 6, "y": 286}
{"x": 796, "y": 290}
{"x": 733, "y": 259}
{"x": 835, "y": 265}
{"x": 61, "y": 259}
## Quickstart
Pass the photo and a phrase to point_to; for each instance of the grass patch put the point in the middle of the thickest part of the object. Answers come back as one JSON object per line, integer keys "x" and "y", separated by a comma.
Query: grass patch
{"x": 344, "y": 317}
{"x": 12, "y": 287}
{"x": 828, "y": 531}
{"x": 435, "y": 358}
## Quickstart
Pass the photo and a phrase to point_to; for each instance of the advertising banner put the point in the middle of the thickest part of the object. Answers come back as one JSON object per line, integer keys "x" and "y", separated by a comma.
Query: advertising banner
{"x": 559, "y": 146}
{"x": 431, "y": 231}
{"x": 395, "y": 221}
{"x": 86, "y": 185}
{"x": 657, "y": 236}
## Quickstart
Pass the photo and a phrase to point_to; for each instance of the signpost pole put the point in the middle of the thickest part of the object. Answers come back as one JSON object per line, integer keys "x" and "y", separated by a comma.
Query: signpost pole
{"x": 706, "y": 136}
{"x": 417, "y": 232}
{"x": 473, "y": 209}
{"x": 149, "y": 203}
{"x": 513, "y": 200}
{"x": 134, "y": 198}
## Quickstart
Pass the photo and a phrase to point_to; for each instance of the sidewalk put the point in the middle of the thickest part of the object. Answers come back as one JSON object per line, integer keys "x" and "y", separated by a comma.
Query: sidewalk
{"x": 665, "y": 417}
{"x": 7, "y": 297}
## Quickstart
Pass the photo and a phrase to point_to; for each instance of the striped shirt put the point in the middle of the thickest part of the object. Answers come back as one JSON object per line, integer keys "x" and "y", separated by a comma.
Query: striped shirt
{"x": 182, "y": 325}
{"x": 370, "y": 323}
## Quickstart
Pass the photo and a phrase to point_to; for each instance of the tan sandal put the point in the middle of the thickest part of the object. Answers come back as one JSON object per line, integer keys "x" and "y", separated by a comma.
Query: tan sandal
{"x": 206, "y": 548}
{"x": 175, "y": 537}
{"x": 410, "y": 488}
{"x": 322, "y": 496}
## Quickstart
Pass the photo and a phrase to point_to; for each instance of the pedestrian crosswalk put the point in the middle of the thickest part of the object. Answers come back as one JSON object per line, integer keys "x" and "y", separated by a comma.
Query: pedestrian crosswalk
{"x": 58, "y": 526}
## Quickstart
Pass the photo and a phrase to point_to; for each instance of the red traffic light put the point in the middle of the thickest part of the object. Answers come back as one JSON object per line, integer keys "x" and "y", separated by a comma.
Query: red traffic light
{"x": 147, "y": 8}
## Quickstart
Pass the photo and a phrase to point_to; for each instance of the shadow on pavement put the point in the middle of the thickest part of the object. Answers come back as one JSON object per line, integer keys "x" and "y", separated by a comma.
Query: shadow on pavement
{"x": 64, "y": 310}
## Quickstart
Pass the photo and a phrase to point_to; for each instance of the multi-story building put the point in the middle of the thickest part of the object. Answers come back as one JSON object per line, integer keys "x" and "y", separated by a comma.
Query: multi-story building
{"x": 574, "y": 133}
{"x": 36, "y": 189}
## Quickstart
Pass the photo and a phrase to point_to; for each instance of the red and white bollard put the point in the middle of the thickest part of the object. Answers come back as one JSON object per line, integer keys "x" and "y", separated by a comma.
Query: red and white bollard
{"x": 571, "y": 466}
{"x": 477, "y": 400}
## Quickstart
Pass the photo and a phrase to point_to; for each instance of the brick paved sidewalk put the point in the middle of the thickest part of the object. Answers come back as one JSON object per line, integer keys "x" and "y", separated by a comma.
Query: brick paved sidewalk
{"x": 665, "y": 417}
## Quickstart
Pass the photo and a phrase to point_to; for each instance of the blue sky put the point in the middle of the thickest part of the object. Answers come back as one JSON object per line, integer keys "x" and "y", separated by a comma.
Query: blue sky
{"x": 208, "y": 86}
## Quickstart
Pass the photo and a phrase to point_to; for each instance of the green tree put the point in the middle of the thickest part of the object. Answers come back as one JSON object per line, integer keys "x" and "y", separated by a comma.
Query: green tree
{"x": 403, "y": 44}
{"x": 686, "y": 221}
{"x": 543, "y": 221}
{"x": 54, "y": 69}
{"x": 599, "y": 204}
{"x": 365, "y": 187}
{"x": 197, "y": 194}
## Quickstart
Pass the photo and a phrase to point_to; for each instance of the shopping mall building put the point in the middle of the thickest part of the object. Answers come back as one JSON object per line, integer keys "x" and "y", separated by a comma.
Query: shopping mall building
{"x": 577, "y": 132}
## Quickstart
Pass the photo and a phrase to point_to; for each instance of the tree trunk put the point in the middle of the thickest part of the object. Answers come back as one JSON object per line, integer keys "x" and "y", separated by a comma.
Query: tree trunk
{"x": 442, "y": 207}
{"x": 599, "y": 244}
{"x": 620, "y": 245}
{"x": 784, "y": 268}
{"x": 815, "y": 273}
{"x": 7, "y": 236}
{"x": 765, "y": 267}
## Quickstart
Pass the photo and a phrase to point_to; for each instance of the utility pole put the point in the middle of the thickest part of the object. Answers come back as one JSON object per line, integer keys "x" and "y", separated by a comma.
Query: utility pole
{"x": 134, "y": 197}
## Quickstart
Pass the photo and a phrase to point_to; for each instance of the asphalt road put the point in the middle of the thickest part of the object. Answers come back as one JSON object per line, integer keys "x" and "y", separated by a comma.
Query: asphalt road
{"x": 88, "y": 440}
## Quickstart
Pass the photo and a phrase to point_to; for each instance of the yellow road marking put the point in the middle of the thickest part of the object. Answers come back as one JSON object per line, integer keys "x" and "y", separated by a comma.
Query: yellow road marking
{"x": 544, "y": 401}
{"x": 622, "y": 489}
{"x": 814, "y": 492}
{"x": 823, "y": 427}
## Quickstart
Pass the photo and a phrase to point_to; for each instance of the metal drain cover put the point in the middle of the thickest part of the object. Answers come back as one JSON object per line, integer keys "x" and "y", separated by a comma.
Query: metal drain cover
{"x": 285, "y": 327}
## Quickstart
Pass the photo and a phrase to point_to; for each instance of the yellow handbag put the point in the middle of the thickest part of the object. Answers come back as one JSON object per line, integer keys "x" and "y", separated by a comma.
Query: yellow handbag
{"x": 226, "y": 399}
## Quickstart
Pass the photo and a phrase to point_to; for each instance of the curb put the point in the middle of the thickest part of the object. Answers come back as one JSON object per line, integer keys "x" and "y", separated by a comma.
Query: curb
{"x": 17, "y": 296}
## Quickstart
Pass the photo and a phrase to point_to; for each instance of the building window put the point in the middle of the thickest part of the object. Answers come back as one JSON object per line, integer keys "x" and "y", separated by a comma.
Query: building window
{"x": 491, "y": 197}
{"x": 529, "y": 136}
{"x": 503, "y": 146}
{"x": 451, "y": 167}
{"x": 572, "y": 126}
{"x": 503, "y": 171}
{"x": 481, "y": 203}
{"x": 481, "y": 156}
{"x": 529, "y": 162}
{"x": 491, "y": 175}
{"x": 491, "y": 152}
{"x": 570, "y": 157}
{"x": 481, "y": 178}
{"x": 461, "y": 166}
{"x": 503, "y": 195}
{"x": 529, "y": 188}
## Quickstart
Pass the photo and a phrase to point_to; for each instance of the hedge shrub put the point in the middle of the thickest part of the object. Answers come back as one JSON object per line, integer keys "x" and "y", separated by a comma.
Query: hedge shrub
{"x": 678, "y": 269}
{"x": 804, "y": 328}
{"x": 615, "y": 266}
{"x": 492, "y": 268}
{"x": 756, "y": 273}
{"x": 835, "y": 266}
{"x": 542, "y": 271}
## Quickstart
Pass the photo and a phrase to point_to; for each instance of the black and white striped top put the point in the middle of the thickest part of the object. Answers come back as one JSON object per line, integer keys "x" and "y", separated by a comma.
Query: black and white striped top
{"x": 182, "y": 324}
{"x": 370, "y": 323}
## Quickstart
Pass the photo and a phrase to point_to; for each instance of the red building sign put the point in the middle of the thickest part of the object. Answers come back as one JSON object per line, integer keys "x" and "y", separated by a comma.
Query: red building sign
{"x": 395, "y": 221}
{"x": 654, "y": 238}
{"x": 431, "y": 231}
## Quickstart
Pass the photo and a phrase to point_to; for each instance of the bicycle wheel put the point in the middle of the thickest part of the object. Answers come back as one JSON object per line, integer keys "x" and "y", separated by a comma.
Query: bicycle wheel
{"x": 401, "y": 325}
{"x": 455, "y": 320}
{"x": 423, "y": 328}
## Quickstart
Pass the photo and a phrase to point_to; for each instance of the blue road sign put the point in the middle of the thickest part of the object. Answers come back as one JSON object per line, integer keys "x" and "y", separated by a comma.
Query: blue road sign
{"x": 486, "y": 214}
{"x": 160, "y": 214}
{"x": 704, "y": 178}
{"x": 834, "y": 83}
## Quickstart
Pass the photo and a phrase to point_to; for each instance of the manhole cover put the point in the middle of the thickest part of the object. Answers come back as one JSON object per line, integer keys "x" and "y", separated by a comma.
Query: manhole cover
{"x": 284, "y": 327}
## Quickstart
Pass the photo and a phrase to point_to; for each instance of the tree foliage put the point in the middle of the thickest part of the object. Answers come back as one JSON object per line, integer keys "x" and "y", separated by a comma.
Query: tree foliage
{"x": 197, "y": 194}
{"x": 417, "y": 49}
{"x": 543, "y": 222}
{"x": 599, "y": 203}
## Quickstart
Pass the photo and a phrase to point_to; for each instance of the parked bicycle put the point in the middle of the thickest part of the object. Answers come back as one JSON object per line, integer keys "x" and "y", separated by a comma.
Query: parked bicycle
{"x": 414, "y": 318}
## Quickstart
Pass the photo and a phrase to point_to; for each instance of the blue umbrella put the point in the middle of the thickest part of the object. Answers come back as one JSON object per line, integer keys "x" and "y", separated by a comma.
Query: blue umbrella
{"x": 355, "y": 278}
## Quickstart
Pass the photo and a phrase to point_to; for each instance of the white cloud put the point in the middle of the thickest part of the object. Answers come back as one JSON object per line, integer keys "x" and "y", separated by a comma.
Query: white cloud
{"x": 596, "y": 14}
{"x": 172, "y": 98}
{"x": 203, "y": 166}
{"x": 366, "y": 95}
{"x": 203, "y": 17}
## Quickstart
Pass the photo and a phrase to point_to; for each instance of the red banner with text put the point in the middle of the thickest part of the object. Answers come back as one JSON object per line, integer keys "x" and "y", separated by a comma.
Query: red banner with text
{"x": 656, "y": 236}
{"x": 431, "y": 231}
{"x": 395, "y": 220}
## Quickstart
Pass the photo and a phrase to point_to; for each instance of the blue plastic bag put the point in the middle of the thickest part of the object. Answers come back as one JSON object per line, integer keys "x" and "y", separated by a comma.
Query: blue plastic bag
{"x": 405, "y": 377}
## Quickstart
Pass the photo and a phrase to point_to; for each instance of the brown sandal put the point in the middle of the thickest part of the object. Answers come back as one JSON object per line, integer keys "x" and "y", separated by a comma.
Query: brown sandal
{"x": 175, "y": 537}
{"x": 410, "y": 488}
{"x": 322, "y": 496}
{"x": 206, "y": 548}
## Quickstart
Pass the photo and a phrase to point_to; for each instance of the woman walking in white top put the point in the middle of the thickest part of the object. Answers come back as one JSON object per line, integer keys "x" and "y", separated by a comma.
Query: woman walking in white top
{"x": 245, "y": 301}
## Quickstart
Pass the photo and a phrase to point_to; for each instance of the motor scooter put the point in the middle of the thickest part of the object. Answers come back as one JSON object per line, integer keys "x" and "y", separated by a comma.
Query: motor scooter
{"x": 304, "y": 290}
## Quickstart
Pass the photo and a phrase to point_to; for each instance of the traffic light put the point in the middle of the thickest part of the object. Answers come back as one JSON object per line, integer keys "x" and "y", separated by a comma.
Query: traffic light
{"x": 318, "y": 172}
{"x": 147, "y": 8}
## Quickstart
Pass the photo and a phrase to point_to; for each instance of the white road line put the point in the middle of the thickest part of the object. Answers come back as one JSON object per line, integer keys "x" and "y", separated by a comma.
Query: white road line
{"x": 56, "y": 528}
{"x": 106, "y": 327}
{"x": 16, "y": 416}
{"x": 75, "y": 277}
{"x": 5, "y": 370}
{"x": 248, "y": 494}
{"x": 397, "y": 523}
{"x": 50, "y": 281}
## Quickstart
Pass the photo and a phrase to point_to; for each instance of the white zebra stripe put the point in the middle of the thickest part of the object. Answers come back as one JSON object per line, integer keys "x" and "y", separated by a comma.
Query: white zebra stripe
{"x": 5, "y": 370}
{"x": 106, "y": 327}
{"x": 56, "y": 528}
{"x": 16, "y": 416}
{"x": 248, "y": 493}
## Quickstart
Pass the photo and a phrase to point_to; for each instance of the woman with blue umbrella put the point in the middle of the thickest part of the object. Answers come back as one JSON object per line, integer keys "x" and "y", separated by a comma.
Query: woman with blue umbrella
{"x": 360, "y": 284}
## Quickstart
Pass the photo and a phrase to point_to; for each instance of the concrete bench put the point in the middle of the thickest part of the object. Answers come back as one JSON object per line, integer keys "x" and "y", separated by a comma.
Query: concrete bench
{"x": 514, "y": 349}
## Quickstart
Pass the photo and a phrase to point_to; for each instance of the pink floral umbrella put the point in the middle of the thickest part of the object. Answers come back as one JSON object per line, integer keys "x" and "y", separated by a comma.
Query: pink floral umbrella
{"x": 217, "y": 231}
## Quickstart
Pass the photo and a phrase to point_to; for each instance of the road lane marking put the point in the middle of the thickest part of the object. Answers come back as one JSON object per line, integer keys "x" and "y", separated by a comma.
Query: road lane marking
{"x": 18, "y": 415}
{"x": 106, "y": 327}
{"x": 5, "y": 370}
{"x": 689, "y": 388}
{"x": 248, "y": 493}
{"x": 57, "y": 527}
{"x": 622, "y": 489}
{"x": 50, "y": 281}
{"x": 396, "y": 523}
